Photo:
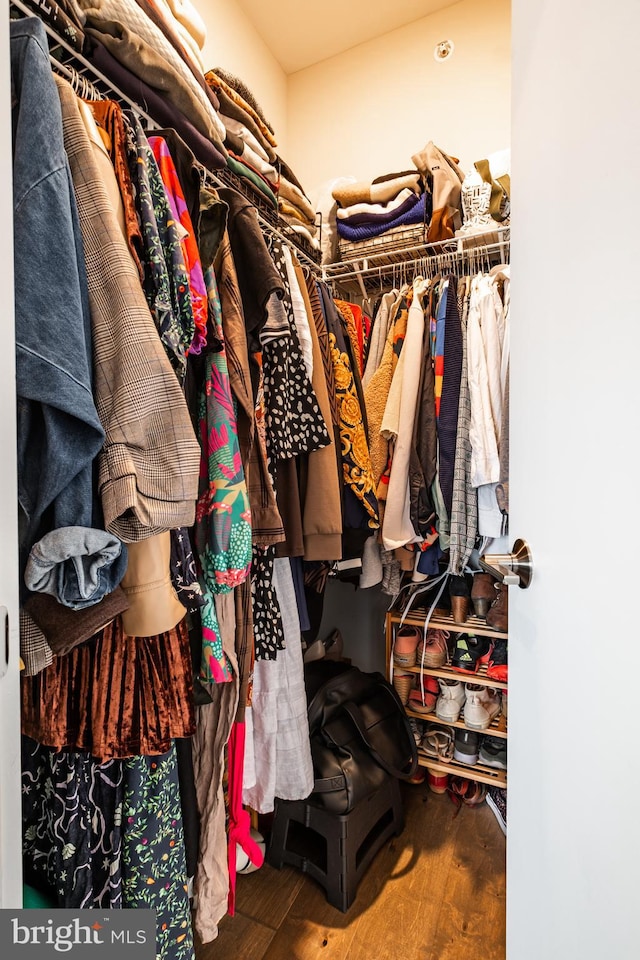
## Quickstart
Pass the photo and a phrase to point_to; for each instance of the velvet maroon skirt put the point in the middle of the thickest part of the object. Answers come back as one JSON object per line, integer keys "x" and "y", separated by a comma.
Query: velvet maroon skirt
{"x": 114, "y": 696}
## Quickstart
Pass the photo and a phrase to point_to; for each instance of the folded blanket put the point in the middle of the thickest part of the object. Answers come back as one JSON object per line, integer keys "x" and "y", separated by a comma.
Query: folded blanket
{"x": 289, "y": 191}
{"x": 242, "y": 170}
{"x": 377, "y": 212}
{"x": 242, "y": 151}
{"x": 290, "y": 210}
{"x": 381, "y": 192}
{"x": 156, "y": 104}
{"x": 129, "y": 14}
{"x": 212, "y": 78}
{"x": 243, "y": 90}
{"x": 417, "y": 214}
{"x": 300, "y": 229}
{"x": 186, "y": 14}
{"x": 183, "y": 43}
{"x": 239, "y": 130}
{"x": 229, "y": 108}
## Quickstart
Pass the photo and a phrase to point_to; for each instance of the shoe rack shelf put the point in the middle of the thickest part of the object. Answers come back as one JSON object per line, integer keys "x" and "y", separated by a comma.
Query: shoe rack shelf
{"x": 479, "y": 677}
{"x": 492, "y": 776}
{"x": 473, "y": 624}
{"x": 478, "y": 771}
{"x": 497, "y": 727}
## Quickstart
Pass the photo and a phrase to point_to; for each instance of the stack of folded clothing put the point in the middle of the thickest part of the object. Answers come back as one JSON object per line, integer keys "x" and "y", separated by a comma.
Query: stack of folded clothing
{"x": 422, "y": 204}
{"x": 251, "y": 147}
{"x": 249, "y": 137}
{"x": 151, "y": 50}
{"x": 368, "y": 210}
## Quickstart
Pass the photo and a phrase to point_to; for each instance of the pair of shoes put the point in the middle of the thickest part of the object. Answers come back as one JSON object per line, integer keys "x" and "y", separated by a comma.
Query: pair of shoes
{"x": 497, "y": 665}
{"x": 425, "y": 702}
{"x": 432, "y": 650}
{"x": 483, "y": 593}
{"x": 498, "y": 615}
{"x": 470, "y": 792}
{"x": 405, "y": 646}
{"x": 470, "y": 651}
{"x": 482, "y": 705}
{"x": 493, "y": 752}
{"x": 497, "y": 801}
{"x": 465, "y": 747}
{"x": 437, "y": 742}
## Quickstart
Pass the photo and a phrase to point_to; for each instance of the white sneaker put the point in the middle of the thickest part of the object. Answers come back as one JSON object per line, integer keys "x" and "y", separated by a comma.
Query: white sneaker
{"x": 451, "y": 700}
{"x": 481, "y": 706}
{"x": 489, "y": 698}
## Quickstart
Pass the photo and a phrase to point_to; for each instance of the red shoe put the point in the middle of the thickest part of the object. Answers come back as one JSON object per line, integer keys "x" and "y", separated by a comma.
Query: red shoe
{"x": 427, "y": 704}
{"x": 497, "y": 667}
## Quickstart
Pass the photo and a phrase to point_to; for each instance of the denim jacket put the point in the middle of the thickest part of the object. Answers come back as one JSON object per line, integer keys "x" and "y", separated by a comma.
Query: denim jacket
{"x": 59, "y": 432}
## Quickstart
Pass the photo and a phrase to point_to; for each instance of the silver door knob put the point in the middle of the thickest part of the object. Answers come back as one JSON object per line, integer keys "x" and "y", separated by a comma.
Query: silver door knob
{"x": 513, "y": 569}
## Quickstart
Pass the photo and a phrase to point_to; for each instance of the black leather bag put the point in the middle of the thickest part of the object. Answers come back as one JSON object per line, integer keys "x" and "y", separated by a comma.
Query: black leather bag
{"x": 359, "y": 731}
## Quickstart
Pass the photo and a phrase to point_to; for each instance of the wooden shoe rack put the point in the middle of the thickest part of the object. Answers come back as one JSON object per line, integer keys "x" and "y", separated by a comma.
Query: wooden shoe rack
{"x": 498, "y": 728}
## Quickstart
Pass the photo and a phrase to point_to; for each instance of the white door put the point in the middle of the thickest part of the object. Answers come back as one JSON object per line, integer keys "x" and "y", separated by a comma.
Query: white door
{"x": 10, "y": 817}
{"x": 574, "y": 696}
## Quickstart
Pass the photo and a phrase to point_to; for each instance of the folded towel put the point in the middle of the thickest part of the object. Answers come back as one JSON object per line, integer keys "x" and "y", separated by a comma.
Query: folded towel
{"x": 378, "y": 212}
{"x": 417, "y": 214}
{"x": 380, "y": 192}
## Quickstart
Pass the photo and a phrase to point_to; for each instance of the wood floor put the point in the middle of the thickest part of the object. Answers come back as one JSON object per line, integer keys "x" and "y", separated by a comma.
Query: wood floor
{"x": 435, "y": 893}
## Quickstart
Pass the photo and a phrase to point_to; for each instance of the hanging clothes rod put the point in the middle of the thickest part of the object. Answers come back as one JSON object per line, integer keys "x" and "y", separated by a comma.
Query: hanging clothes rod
{"x": 70, "y": 64}
{"x": 458, "y": 248}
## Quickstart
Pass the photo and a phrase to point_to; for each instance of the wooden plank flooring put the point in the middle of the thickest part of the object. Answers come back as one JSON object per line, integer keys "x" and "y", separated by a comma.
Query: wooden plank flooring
{"x": 435, "y": 893}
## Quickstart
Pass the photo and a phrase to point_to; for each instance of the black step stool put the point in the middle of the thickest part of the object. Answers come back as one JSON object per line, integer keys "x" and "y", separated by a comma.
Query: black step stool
{"x": 335, "y": 849}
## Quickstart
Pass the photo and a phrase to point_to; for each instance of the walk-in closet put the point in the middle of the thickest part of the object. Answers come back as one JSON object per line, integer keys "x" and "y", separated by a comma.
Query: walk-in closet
{"x": 311, "y": 408}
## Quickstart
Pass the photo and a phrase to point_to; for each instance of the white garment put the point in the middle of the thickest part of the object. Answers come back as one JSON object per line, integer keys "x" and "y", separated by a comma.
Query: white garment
{"x": 397, "y": 529}
{"x": 186, "y": 14}
{"x": 379, "y": 335}
{"x": 239, "y": 129}
{"x": 487, "y": 358}
{"x": 299, "y": 313}
{"x": 281, "y": 745}
{"x": 485, "y": 337}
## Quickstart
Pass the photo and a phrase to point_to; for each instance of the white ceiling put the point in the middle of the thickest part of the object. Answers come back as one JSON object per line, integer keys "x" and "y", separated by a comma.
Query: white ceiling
{"x": 302, "y": 32}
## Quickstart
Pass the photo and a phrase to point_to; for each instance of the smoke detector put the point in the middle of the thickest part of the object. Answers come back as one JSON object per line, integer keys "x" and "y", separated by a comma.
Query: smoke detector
{"x": 443, "y": 50}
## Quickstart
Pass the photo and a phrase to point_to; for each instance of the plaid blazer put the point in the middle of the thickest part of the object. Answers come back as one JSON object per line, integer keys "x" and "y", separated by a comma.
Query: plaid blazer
{"x": 148, "y": 467}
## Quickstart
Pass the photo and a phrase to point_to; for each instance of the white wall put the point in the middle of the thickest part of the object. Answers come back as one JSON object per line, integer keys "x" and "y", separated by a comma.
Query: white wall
{"x": 366, "y": 111}
{"x": 234, "y": 44}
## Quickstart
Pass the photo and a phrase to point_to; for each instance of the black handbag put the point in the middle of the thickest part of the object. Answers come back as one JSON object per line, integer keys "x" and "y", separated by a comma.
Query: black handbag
{"x": 360, "y": 734}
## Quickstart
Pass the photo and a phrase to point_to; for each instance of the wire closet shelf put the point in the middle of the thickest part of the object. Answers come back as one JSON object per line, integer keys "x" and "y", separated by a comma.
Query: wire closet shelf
{"x": 392, "y": 266}
{"x": 90, "y": 84}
